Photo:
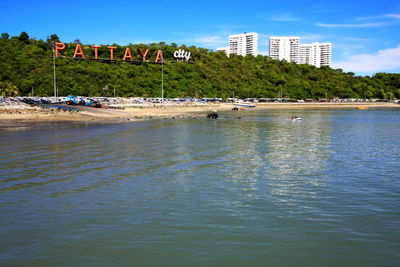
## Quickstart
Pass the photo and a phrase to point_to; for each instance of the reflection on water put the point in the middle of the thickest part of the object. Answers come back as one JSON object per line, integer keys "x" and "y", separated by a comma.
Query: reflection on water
{"x": 254, "y": 190}
{"x": 297, "y": 159}
{"x": 290, "y": 156}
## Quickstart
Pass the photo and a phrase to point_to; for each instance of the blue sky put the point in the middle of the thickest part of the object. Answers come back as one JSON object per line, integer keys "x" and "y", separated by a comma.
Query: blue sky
{"x": 365, "y": 34}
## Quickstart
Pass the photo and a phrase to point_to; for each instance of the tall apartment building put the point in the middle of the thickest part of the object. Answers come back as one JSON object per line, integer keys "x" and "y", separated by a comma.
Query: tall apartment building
{"x": 326, "y": 54}
{"x": 225, "y": 49}
{"x": 243, "y": 44}
{"x": 284, "y": 48}
{"x": 316, "y": 54}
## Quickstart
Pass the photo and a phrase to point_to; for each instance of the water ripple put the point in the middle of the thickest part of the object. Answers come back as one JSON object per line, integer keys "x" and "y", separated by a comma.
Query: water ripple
{"x": 323, "y": 190}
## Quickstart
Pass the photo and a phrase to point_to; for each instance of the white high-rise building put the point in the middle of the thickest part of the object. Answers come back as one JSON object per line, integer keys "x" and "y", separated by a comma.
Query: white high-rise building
{"x": 243, "y": 44}
{"x": 225, "y": 49}
{"x": 316, "y": 54}
{"x": 326, "y": 54}
{"x": 284, "y": 48}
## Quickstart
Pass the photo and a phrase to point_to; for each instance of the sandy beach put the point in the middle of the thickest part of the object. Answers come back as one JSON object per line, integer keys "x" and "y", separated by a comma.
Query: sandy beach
{"x": 26, "y": 114}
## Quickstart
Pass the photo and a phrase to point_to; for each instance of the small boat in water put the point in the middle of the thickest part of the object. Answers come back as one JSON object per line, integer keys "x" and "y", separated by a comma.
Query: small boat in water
{"x": 295, "y": 118}
{"x": 362, "y": 107}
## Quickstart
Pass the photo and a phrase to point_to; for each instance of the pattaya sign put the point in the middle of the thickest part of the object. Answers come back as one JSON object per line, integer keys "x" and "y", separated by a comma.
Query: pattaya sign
{"x": 181, "y": 54}
{"x": 143, "y": 54}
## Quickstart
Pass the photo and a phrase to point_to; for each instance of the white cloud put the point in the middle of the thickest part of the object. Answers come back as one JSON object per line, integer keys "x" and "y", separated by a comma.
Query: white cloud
{"x": 359, "y": 25}
{"x": 367, "y": 18}
{"x": 263, "y": 39}
{"x": 380, "y": 20}
{"x": 379, "y": 17}
{"x": 212, "y": 41}
{"x": 356, "y": 39}
{"x": 311, "y": 37}
{"x": 383, "y": 60}
{"x": 284, "y": 18}
{"x": 395, "y": 16}
{"x": 230, "y": 28}
{"x": 262, "y": 52}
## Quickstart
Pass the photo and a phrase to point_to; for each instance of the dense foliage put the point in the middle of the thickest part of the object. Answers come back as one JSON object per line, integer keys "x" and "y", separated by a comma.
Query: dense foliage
{"x": 27, "y": 64}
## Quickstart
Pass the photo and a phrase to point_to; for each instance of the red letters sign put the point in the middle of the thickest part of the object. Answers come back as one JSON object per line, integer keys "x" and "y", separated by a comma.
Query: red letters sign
{"x": 143, "y": 54}
{"x": 112, "y": 48}
{"x": 58, "y": 47}
{"x": 96, "y": 51}
{"x": 160, "y": 56}
{"x": 128, "y": 54}
{"x": 79, "y": 53}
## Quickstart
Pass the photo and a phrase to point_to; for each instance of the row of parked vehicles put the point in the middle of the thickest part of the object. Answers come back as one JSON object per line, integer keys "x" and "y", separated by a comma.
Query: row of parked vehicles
{"x": 81, "y": 101}
{"x": 111, "y": 101}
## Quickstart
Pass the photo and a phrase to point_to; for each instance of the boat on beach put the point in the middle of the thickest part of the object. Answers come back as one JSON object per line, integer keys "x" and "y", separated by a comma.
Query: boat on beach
{"x": 244, "y": 105}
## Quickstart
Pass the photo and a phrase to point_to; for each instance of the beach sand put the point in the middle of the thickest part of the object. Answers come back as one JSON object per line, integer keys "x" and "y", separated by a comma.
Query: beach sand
{"x": 26, "y": 114}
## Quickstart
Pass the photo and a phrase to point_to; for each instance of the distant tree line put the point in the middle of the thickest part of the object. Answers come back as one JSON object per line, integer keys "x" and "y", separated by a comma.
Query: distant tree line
{"x": 26, "y": 67}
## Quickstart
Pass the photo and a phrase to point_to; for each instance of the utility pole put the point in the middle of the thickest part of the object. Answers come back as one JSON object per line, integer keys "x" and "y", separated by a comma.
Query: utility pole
{"x": 54, "y": 71}
{"x": 162, "y": 81}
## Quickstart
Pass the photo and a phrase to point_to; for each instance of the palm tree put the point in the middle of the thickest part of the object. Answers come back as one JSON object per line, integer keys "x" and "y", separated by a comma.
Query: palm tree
{"x": 7, "y": 89}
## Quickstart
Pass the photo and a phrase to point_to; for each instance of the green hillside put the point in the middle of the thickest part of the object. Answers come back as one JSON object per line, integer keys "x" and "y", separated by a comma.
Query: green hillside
{"x": 27, "y": 63}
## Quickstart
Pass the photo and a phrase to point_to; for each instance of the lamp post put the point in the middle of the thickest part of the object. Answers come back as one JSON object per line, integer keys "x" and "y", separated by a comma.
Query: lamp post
{"x": 54, "y": 71}
{"x": 162, "y": 81}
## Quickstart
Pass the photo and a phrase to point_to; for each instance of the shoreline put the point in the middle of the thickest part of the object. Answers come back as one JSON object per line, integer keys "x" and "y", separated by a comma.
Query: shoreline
{"x": 26, "y": 114}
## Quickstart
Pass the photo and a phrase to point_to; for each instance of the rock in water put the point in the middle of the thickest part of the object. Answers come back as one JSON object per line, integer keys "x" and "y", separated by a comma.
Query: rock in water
{"x": 212, "y": 115}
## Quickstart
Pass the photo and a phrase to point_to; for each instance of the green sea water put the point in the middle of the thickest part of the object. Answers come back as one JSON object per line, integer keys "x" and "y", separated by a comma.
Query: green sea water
{"x": 256, "y": 191}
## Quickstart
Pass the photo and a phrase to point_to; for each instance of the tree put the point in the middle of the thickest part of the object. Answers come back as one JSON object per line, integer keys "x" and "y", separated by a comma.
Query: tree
{"x": 390, "y": 96}
{"x": 7, "y": 89}
{"x": 369, "y": 94}
{"x": 23, "y": 36}
{"x": 24, "y": 64}
{"x": 5, "y": 35}
{"x": 53, "y": 38}
{"x": 381, "y": 94}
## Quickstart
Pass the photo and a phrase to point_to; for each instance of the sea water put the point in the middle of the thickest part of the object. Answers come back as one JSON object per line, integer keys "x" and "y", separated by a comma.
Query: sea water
{"x": 256, "y": 190}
